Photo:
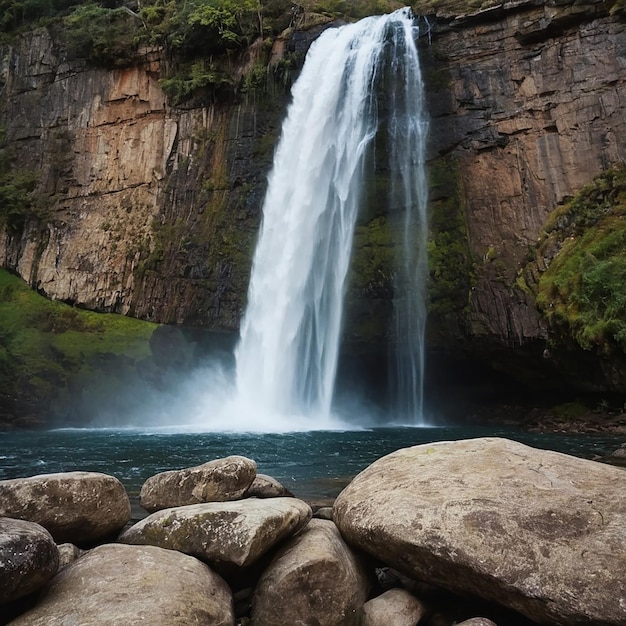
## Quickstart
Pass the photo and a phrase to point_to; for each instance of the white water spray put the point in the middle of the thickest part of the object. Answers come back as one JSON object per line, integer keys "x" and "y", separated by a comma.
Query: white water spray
{"x": 287, "y": 357}
{"x": 408, "y": 207}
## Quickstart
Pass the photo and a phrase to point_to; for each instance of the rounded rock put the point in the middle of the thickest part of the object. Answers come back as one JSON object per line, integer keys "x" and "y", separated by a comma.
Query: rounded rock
{"x": 396, "y": 606}
{"x": 77, "y": 507}
{"x": 235, "y": 533}
{"x": 221, "y": 480}
{"x": 117, "y": 584}
{"x": 313, "y": 579}
{"x": 537, "y": 531}
{"x": 29, "y": 558}
{"x": 265, "y": 486}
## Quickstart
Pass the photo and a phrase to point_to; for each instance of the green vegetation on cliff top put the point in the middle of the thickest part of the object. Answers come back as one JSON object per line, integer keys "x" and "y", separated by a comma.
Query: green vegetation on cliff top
{"x": 100, "y": 29}
{"x": 202, "y": 38}
{"x": 583, "y": 291}
{"x": 47, "y": 348}
{"x": 212, "y": 25}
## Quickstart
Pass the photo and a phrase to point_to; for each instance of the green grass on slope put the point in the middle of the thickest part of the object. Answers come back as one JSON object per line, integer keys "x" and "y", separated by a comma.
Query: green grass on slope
{"x": 49, "y": 349}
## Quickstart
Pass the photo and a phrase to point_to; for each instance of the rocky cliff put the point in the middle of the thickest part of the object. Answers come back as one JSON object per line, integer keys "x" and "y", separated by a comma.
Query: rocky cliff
{"x": 527, "y": 99}
{"x": 527, "y": 105}
{"x": 152, "y": 209}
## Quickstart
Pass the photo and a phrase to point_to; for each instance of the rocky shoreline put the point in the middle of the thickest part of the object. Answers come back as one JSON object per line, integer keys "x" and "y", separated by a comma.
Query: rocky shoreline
{"x": 476, "y": 532}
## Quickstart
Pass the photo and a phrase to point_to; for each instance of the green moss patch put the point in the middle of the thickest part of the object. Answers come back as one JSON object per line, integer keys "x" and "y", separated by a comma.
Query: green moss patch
{"x": 582, "y": 293}
{"x": 49, "y": 350}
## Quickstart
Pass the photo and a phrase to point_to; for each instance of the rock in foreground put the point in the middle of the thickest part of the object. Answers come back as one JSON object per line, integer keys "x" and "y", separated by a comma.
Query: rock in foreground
{"x": 116, "y": 584}
{"x": 236, "y": 533}
{"x": 396, "y": 606}
{"x": 537, "y": 531}
{"x": 76, "y": 507}
{"x": 221, "y": 480}
{"x": 314, "y": 579}
{"x": 29, "y": 558}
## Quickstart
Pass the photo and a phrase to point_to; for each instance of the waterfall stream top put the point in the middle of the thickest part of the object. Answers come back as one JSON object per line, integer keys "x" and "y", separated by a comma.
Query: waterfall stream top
{"x": 286, "y": 361}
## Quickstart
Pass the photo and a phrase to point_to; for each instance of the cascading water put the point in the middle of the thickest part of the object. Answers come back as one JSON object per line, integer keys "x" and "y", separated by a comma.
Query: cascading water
{"x": 286, "y": 360}
{"x": 408, "y": 206}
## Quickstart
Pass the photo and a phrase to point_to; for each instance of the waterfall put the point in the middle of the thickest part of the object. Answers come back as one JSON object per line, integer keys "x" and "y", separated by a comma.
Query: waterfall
{"x": 408, "y": 206}
{"x": 286, "y": 360}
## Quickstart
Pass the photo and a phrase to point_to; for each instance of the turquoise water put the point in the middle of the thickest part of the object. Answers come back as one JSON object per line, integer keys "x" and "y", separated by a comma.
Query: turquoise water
{"x": 311, "y": 464}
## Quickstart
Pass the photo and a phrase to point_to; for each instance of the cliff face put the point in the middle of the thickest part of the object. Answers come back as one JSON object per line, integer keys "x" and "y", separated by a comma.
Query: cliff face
{"x": 528, "y": 101}
{"x": 153, "y": 210}
{"x": 527, "y": 105}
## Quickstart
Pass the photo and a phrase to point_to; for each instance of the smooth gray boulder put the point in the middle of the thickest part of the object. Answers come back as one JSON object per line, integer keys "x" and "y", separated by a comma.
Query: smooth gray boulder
{"x": 76, "y": 507}
{"x": 477, "y": 621}
{"x": 396, "y": 606}
{"x": 29, "y": 558}
{"x": 540, "y": 532}
{"x": 221, "y": 480}
{"x": 116, "y": 584}
{"x": 264, "y": 486}
{"x": 314, "y": 579}
{"x": 236, "y": 533}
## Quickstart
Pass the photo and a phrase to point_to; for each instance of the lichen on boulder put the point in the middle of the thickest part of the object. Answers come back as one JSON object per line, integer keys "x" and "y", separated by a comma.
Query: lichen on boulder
{"x": 537, "y": 531}
{"x": 220, "y": 480}
{"x": 77, "y": 507}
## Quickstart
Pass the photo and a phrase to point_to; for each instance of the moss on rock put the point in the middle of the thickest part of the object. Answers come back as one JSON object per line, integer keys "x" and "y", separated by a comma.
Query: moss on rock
{"x": 582, "y": 292}
{"x": 369, "y": 300}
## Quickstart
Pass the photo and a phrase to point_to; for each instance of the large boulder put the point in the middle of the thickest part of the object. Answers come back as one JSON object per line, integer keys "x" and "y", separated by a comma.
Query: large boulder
{"x": 76, "y": 507}
{"x": 314, "y": 579}
{"x": 29, "y": 558}
{"x": 537, "y": 531}
{"x": 396, "y": 606}
{"x": 117, "y": 584}
{"x": 236, "y": 533}
{"x": 221, "y": 480}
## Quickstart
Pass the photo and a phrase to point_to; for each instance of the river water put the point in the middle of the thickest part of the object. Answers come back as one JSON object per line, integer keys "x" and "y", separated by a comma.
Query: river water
{"x": 313, "y": 465}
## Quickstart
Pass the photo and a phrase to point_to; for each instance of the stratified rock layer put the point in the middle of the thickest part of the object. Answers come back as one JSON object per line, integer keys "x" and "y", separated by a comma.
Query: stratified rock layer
{"x": 216, "y": 481}
{"x": 76, "y": 507}
{"x": 116, "y": 584}
{"x": 538, "y": 531}
{"x": 158, "y": 206}
{"x": 29, "y": 558}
